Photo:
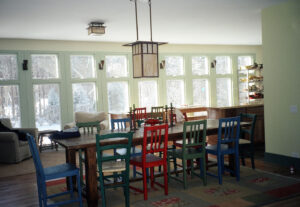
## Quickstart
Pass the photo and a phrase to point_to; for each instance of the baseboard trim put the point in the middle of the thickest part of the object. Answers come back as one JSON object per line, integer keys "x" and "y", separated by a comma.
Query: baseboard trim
{"x": 282, "y": 160}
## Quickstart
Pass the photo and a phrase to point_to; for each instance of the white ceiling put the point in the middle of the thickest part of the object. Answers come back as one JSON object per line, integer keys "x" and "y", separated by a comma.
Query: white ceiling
{"x": 174, "y": 21}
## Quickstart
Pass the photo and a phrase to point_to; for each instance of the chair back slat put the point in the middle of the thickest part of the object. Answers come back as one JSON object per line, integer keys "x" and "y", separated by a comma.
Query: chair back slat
{"x": 127, "y": 139}
{"x": 120, "y": 124}
{"x": 229, "y": 130}
{"x": 140, "y": 113}
{"x": 249, "y": 131}
{"x": 88, "y": 127}
{"x": 194, "y": 133}
{"x": 157, "y": 112}
{"x": 35, "y": 155}
{"x": 158, "y": 138}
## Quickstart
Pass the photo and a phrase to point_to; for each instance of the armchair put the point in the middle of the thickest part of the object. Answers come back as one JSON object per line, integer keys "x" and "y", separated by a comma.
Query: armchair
{"x": 13, "y": 150}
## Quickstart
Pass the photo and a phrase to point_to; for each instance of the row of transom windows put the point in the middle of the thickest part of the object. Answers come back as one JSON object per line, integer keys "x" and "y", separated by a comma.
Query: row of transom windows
{"x": 84, "y": 86}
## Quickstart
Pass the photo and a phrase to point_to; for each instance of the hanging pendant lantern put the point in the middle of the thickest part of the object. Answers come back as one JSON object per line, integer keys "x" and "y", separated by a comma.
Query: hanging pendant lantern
{"x": 144, "y": 53}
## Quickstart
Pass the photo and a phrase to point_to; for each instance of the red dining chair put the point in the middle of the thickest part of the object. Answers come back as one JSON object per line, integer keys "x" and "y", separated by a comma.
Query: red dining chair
{"x": 157, "y": 137}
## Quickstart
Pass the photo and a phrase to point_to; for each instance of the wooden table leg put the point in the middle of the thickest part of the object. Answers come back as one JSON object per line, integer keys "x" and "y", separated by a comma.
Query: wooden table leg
{"x": 91, "y": 176}
{"x": 71, "y": 158}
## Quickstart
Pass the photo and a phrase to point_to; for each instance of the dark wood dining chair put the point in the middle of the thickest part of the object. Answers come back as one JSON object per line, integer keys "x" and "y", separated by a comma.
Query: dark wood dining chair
{"x": 246, "y": 142}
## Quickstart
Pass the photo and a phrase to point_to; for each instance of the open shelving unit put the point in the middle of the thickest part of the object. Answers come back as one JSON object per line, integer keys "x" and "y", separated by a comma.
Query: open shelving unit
{"x": 251, "y": 88}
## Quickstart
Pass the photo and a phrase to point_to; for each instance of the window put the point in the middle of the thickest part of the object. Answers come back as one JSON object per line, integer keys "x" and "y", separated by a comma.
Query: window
{"x": 84, "y": 97}
{"x": 223, "y": 65}
{"x": 9, "y": 93}
{"x": 175, "y": 92}
{"x": 244, "y": 61}
{"x": 82, "y": 66}
{"x": 200, "y": 92}
{"x": 8, "y": 67}
{"x": 199, "y": 65}
{"x": 147, "y": 94}
{"x": 47, "y": 106}
{"x": 10, "y": 104}
{"x": 44, "y": 66}
{"x": 117, "y": 93}
{"x": 224, "y": 92}
{"x": 174, "y": 65}
{"x": 116, "y": 66}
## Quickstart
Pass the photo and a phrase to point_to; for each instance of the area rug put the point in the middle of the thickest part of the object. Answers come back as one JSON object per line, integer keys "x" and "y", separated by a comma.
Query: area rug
{"x": 255, "y": 188}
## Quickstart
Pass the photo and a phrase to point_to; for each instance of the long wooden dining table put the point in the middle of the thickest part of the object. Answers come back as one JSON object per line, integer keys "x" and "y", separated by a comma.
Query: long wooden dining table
{"x": 88, "y": 144}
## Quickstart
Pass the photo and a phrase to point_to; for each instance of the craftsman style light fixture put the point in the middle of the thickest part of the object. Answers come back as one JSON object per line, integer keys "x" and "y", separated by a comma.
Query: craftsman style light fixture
{"x": 144, "y": 53}
{"x": 96, "y": 28}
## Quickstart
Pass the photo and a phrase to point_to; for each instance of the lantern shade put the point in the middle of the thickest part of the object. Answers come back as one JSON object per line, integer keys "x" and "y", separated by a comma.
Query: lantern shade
{"x": 145, "y": 58}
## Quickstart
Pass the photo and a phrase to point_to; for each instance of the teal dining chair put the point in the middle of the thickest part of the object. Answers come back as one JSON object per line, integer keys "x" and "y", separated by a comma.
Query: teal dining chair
{"x": 50, "y": 173}
{"x": 193, "y": 148}
{"x": 228, "y": 144}
{"x": 86, "y": 128}
{"x": 113, "y": 165}
{"x": 246, "y": 146}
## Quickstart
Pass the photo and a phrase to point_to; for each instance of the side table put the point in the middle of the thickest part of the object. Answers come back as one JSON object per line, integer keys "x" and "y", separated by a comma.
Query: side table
{"x": 46, "y": 133}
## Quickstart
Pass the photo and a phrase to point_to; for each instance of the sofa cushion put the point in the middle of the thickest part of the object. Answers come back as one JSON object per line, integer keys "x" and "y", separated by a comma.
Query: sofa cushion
{"x": 83, "y": 117}
{"x": 6, "y": 122}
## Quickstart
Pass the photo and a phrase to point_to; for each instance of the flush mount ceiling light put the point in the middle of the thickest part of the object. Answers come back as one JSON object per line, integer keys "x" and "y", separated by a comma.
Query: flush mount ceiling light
{"x": 96, "y": 28}
{"x": 144, "y": 53}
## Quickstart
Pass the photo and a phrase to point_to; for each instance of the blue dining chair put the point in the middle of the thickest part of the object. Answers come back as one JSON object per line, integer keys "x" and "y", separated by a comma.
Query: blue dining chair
{"x": 228, "y": 143}
{"x": 59, "y": 171}
{"x": 120, "y": 124}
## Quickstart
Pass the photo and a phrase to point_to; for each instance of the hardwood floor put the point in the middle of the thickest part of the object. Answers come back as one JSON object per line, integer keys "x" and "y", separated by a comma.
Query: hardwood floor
{"x": 22, "y": 190}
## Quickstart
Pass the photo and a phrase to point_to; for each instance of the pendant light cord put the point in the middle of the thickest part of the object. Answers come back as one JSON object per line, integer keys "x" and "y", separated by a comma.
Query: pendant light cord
{"x": 136, "y": 21}
{"x": 150, "y": 20}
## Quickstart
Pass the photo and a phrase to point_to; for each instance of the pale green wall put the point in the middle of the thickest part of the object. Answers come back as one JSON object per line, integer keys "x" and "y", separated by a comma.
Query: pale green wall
{"x": 51, "y": 45}
{"x": 281, "y": 55}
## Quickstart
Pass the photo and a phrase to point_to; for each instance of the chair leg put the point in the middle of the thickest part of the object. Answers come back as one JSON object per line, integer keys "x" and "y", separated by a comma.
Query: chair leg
{"x": 126, "y": 190}
{"x": 219, "y": 160}
{"x": 243, "y": 158}
{"x": 184, "y": 163}
{"x": 152, "y": 176}
{"x": 145, "y": 184}
{"x": 102, "y": 191}
{"x": 165, "y": 178}
{"x": 39, "y": 192}
{"x": 79, "y": 190}
{"x": 237, "y": 166}
{"x": 252, "y": 162}
{"x": 71, "y": 187}
{"x": 192, "y": 167}
{"x": 203, "y": 171}
{"x": 169, "y": 170}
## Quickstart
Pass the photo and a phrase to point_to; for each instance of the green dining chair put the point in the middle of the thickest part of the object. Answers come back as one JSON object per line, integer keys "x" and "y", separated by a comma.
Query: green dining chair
{"x": 246, "y": 146}
{"x": 193, "y": 148}
{"x": 86, "y": 128}
{"x": 113, "y": 164}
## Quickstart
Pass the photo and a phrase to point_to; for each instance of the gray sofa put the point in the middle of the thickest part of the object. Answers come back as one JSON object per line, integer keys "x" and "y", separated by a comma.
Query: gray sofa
{"x": 11, "y": 149}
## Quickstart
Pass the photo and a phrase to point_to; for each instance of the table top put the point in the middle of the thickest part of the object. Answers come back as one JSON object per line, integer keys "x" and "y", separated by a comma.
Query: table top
{"x": 174, "y": 133}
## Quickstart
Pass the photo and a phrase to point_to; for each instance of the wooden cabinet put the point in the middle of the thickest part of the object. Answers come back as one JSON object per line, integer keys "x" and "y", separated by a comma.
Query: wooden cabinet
{"x": 223, "y": 112}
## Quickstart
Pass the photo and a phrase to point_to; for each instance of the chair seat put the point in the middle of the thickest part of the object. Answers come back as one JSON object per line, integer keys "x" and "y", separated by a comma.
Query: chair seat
{"x": 214, "y": 147}
{"x": 188, "y": 151}
{"x": 123, "y": 151}
{"x": 149, "y": 158}
{"x": 113, "y": 166}
{"x": 58, "y": 170}
{"x": 244, "y": 141}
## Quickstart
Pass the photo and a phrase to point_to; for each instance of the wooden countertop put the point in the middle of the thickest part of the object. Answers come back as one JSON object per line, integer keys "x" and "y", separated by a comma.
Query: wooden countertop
{"x": 236, "y": 107}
